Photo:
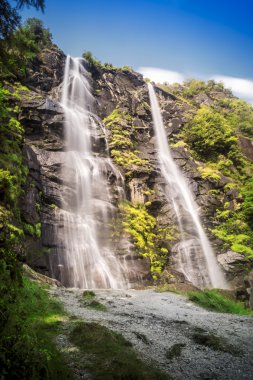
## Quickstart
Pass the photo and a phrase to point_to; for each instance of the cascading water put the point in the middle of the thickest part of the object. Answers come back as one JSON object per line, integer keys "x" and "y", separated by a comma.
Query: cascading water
{"x": 85, "y": 259}
{"x": 194, "y": 255}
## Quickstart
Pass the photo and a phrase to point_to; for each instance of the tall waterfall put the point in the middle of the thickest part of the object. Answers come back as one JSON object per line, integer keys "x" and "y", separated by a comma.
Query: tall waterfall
{"x": 194, "y": 255}
{"x": 86, "y": 258}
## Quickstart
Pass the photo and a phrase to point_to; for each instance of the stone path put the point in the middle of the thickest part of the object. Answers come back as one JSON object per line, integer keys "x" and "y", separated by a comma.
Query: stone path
{"x": 168, "y": 329}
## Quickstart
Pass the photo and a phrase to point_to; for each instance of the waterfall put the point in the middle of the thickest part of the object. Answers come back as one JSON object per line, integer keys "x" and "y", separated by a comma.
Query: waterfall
{"x": 85, "y": 257}
{"x": 194, "y": 256}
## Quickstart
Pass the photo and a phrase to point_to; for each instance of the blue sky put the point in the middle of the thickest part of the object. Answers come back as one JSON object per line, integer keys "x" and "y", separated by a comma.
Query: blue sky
{"x": 195, "y": 38}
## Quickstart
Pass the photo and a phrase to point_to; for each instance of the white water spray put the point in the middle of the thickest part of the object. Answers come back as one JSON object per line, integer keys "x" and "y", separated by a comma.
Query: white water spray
{"x": 86, "y": 258}
{"x": 194, "y": 254}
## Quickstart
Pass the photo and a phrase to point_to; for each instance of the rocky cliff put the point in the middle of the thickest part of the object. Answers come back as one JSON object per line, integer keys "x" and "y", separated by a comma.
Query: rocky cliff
{"x": 122, "y": 104}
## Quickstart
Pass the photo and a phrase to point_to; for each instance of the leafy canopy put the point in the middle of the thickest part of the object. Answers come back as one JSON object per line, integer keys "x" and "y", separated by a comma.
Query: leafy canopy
{"x": 9, "y": 16}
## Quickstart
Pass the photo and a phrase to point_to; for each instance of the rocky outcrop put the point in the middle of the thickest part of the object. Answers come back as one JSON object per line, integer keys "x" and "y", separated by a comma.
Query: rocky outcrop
{"x": 45, "y": 72}
{"x": 246, "y": 144}
{"x": 124, "y": 90}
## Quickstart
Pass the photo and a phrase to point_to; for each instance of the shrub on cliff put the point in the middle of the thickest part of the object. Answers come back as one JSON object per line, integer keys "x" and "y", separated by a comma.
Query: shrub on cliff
{"x": 209, "y": 134}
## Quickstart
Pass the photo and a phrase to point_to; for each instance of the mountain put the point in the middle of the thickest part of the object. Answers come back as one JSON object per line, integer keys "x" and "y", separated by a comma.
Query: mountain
{"x": 210, "y": 134}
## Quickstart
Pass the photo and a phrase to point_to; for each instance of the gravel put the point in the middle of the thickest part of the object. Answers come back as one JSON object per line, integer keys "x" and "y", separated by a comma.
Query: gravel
{"x": 155, "y": 322}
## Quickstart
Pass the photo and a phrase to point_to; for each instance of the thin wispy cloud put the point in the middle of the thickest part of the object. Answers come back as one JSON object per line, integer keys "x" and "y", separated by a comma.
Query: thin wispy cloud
{"x": 160, "y": 75}
{"x": 241, "y": 87}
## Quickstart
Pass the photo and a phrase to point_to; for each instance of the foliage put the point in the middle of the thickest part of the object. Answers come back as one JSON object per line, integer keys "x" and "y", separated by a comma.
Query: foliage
{"x": 112, "y": 355}
{"x": 89, "y": 294}
{"x": 209, "y": 173}
{"x": 216, "y": 301}
{"x": 27, "y": 351}
{"x": 88, "y": 300}
{"x": 122, "y": 141}
{"x": 213, "y": 341}
{"x": 9, "y": 17}
{"x": 193, "y": 87}
{"x": 235, "y": 233}
{"x": 13, "y": 172}
{"x": 247, "y": 205}
{"x": 88, "y": 56}
{"x": 211, "y": 132}
{"x": 38, "y": 4}
{"x": 209, "y": 135}
{"x": 92, "y": 60}
{"x": 22, "y": 46}
{"x": 148, "y": 241}
{"x": 233, "y": 227}
{"x": 238, "y": 114}
{"x": 175, "y": 351}
{"x": 32, "y": 229}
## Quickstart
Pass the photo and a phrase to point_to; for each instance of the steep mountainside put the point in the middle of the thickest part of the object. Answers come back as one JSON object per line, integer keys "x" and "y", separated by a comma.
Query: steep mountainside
{"x": 210, "y": 134}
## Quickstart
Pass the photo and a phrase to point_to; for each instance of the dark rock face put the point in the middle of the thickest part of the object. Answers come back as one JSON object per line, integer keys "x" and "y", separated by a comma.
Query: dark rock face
{"x": 246, "y": 145}
{"x": 43, "y": 119}
{"x": 46, "y": 71}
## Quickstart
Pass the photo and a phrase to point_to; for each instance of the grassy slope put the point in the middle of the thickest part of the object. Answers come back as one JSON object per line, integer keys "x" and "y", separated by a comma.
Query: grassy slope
{"x": 27, "y": 347}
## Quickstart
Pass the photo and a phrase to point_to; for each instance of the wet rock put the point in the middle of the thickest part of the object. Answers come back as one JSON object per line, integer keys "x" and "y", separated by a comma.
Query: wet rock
{"x": 250, "y": 289}
{"x": 229, "y": 260}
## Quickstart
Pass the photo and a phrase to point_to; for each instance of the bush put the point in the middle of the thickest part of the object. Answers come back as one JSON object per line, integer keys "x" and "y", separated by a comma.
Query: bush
{"x": 247, "y": 205}
{"x": 209, "y": 135}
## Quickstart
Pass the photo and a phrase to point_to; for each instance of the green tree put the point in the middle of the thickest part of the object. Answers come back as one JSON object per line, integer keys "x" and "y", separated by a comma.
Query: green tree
{"x": 247, "y": 205}
{"x": 22, "y": 47}
{"x": 9, "y": 17}
{"x": 209, "y": 134}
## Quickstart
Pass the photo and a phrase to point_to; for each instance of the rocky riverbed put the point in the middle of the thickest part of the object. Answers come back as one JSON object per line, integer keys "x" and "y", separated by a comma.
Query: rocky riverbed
{"x": 185, "y": 341}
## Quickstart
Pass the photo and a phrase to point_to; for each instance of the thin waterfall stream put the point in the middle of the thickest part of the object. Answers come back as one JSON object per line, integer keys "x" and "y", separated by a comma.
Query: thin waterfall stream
{"x": 86, "y": 258}
{"x": 194, "y": 255}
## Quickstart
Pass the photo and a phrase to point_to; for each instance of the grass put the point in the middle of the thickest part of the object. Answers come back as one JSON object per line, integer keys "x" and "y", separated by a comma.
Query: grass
{"x": 89, "y": 294}
{"x": 27, "y": 344}
{"x": 213, "y": 341}
{"x": 175, "y": 351}
{"x": 215, "y": 301}
{"x": 111, "y": 355}
{"x": 89, "y": 301}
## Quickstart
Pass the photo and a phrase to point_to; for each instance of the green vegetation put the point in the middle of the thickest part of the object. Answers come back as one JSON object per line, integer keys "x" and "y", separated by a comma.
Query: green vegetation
{"x": 209, "y": 134}
{"x": 238, "y": 114}
{"x": 32, "y": 229}
{"x": 213, "y": 341}
{"x": 21, "y": 47}
{"x": 148, "y": 240}
{"x": 26, "y": 341}
{"x": 106, "y": 66}
{"x": 209, "y": 173}
{"x": 234, "y": 227}
{"x": 193, "y": 87}
{"x": 88, "y": 300}
{"x": 9, "y": 17}
{"x": 122, "y": 142}
{"x": 89, "y": 294}
{"x": 247, "y": 205}
{"x": 111, "y": 355}
{"x": 13, "y": 171}
{"x": 175, "y": 351}
{"x": 12, "y": 176}
{"x": 214, "y": 300}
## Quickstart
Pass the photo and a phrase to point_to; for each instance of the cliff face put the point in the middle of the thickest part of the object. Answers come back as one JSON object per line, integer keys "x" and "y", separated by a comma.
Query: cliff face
{"x": 122, "y": 103}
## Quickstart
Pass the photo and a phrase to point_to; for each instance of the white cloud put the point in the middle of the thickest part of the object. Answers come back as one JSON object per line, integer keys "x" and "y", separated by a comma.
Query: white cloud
{"x": 243, "y": 88}
{"x": 160, "y": 75}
